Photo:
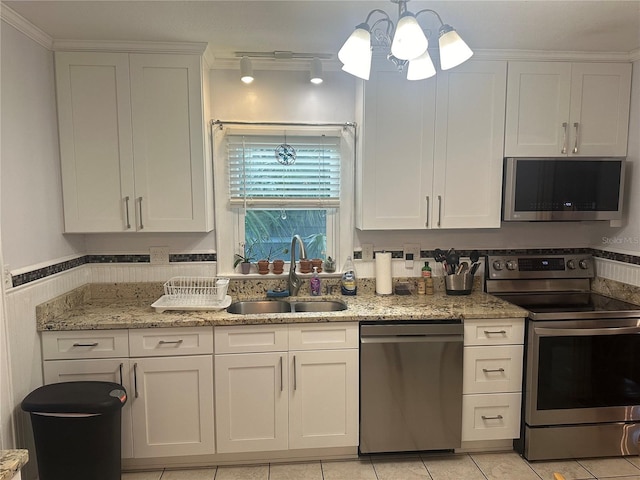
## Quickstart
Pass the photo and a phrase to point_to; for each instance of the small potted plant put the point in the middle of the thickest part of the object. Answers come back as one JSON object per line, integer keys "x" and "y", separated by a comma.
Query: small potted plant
{"x": 263, "y": 263}
{"x": 245, "y": 259}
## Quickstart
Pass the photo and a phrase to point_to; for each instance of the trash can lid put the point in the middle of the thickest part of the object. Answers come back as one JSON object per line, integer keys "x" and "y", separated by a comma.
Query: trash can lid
{"x": 76, "y": 397}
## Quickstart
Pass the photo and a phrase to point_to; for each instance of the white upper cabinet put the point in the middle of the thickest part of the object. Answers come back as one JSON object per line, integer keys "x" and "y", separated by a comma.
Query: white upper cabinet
{"x": 431, "y": 151}
{"x": 574, "y": 109}
{"x": 133, "y": 142}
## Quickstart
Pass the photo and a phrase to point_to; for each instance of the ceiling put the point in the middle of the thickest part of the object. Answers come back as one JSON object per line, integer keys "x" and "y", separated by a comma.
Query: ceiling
{"x": 321, "y": 26}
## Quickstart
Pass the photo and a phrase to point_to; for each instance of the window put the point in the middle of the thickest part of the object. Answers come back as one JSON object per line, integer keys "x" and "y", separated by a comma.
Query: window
{"x": 283, "y": 186}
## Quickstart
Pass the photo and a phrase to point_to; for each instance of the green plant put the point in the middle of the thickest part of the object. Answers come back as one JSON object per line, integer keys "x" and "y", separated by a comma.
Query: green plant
{"x": 247, "y": 255}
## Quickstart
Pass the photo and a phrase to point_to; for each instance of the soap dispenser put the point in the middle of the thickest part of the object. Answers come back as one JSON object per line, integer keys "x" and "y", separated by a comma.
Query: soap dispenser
{"x": 314, "y": 283}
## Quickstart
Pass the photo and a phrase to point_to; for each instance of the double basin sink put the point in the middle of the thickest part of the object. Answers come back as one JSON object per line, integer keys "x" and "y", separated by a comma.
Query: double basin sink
{"x": 249, "y": 307}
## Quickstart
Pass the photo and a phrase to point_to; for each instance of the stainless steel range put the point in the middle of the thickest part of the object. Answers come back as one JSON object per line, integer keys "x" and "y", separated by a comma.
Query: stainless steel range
{"x": 582, "y": 358}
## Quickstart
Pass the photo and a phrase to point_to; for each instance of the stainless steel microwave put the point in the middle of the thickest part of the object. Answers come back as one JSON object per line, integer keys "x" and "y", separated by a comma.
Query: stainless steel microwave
{"x": 563, "y": 189}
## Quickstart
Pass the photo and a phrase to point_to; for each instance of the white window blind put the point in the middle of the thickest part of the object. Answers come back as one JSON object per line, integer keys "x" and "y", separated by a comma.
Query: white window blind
{"x": 257, "y": 178}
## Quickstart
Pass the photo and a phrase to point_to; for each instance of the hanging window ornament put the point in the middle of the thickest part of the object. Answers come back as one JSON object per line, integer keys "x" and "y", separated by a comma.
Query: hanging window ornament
{"x": 285, "y": 153}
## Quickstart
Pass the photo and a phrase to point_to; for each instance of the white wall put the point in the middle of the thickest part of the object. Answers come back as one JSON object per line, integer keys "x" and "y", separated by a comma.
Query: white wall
{"x": 31, "y": 190}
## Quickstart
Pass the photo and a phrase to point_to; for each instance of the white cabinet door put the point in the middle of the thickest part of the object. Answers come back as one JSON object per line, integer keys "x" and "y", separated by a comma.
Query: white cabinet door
{"x": 323, "y": 398}
{"x": 394, "y": 171}
{"x": 251, "y": 402}
{"x": 172, "y": 406}
{"x": 94, "y": 119}
{"x": 168, "y": 143}
{"x": 600, "y": 96}
{"x": 114, "y": 370}
{"x": 469, "y": 140}
{"x": 538, "y": 96}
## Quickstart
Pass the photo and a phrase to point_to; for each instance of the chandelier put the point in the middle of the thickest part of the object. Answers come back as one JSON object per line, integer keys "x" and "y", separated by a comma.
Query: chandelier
{"x": 406, "y": 43}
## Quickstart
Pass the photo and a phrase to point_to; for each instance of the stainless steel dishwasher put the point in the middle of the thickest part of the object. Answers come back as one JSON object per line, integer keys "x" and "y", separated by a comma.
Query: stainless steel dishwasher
{"x": 411, "y": 386}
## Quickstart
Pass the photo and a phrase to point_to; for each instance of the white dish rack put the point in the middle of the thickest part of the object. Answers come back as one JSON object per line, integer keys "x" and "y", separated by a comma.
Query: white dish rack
{"x": 194, "y": 293}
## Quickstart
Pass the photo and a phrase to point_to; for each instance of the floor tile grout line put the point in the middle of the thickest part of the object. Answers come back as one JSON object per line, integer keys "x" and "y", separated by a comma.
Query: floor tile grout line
{"x": 477, "y": 466}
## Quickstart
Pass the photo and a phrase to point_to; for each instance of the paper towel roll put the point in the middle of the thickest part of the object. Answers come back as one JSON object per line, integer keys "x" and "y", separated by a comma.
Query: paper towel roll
{"x": 383, "y": 273}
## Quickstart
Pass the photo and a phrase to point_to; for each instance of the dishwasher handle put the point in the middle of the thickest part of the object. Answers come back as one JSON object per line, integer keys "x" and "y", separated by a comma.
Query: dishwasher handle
{"x": 411, "y": 338}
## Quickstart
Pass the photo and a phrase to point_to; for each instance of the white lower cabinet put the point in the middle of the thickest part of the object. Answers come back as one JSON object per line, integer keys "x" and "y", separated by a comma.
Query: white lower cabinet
{"x": 284, "y": 399}
{"x": 492, "y": 379}
{"x": 168, "y": 376}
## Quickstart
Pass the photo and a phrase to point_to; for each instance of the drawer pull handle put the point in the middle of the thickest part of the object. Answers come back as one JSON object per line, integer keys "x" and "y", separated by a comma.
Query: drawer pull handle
{"x": 493, "y": 370}
{"x": 94, "y": 344}
{"x": 492, "y": 332}
{"x": 173, "y": 342}
{"x": 497, "y": 417}
{"x": 121, "y": 365}
{"x": 135, "y": 379}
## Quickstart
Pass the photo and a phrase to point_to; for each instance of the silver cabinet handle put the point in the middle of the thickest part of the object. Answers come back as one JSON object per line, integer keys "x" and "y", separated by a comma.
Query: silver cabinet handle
{"x": 295, "y": 374}
{"x": 174, "y": 342}
{"x": 94, "y": 344}
{"x": 575, "y": 145}
{"x": 493, "y": 370}
{"x": 497, "y": 417}
{"x": 495, "y": 332}
{"x": 140, "y": 209}
{"x": 439, "y": 209}
{"x": 564, "y": 137}
{"x": 281, "y": 375}
{"x": 135, "y": 379}
{"x": 126, "y": 211}
{"x": 121, "y": 373}
{"x": 427, "y": 222}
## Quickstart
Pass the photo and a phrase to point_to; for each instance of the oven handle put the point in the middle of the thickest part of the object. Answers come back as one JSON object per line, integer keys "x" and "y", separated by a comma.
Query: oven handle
{"x": 581, "y": 332}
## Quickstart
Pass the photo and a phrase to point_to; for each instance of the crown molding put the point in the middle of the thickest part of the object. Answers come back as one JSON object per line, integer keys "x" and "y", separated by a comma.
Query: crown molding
{"x": 17, "y": 21}
{"x": 551, "y": 56}
{"x": 197, "y": 48}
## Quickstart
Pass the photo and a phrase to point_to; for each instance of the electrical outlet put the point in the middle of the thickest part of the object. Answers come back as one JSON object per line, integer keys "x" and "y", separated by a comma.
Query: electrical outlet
{"x": 411, "y": 254}
{"x": 367, "y": 252}
{"x": 8, "y": 278}
{"x": 159, "y": 255}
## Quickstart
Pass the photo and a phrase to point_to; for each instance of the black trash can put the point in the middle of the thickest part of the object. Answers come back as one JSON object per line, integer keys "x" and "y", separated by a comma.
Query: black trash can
{"x": 77, "y": 429}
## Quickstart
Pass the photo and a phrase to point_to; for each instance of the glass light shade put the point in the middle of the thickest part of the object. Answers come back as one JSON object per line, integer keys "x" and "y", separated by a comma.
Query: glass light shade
{"x": 246, "y": 70}
{"x": 357, "y": 45}
{"x": 316, "y": 71}
{"x": 421, "y": 67}
{"x": 453, "y": 50}
{"x": 409, "y": 41}
{"x": 361, "y": 66}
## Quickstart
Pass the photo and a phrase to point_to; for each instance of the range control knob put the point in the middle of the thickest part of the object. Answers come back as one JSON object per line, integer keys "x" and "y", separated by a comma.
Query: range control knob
{"x": 584, "y": 263}
{"x": 512, "y": 265}
{"x": 571, "y": 264}
{"x": 498, "y": 265}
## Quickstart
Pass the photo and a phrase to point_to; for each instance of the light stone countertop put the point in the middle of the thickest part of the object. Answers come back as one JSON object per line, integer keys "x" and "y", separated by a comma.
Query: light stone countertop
{"x": 11, "y": 461}
{"x": 92, "y": 308}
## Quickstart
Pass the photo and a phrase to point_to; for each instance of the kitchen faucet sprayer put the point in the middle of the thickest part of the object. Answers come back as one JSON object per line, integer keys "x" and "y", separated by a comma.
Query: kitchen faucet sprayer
{"x": 294, "y": 280}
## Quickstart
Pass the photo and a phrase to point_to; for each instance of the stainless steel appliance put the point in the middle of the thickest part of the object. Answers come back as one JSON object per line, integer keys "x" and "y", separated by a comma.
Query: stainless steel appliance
{"x": 548, "y": 189}
{"x": 582, "y": 360}
{"x": 411, "y": 386}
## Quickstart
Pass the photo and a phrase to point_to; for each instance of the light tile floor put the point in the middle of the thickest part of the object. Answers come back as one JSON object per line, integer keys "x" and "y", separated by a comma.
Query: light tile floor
{"x": 481, "y": 466}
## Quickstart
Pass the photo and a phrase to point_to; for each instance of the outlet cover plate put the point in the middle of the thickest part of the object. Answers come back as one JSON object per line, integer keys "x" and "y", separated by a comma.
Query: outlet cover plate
{"x": 412, "y": 248}
{"x": 159, "y": 255}
{"x": 367, "y": 252}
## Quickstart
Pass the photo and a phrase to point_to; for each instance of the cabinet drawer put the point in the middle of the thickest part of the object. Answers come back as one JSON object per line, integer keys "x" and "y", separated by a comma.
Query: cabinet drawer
{"x": 490, "y": 417}
{"x": 251, "y": 339}
{"x": 85, "y": 344}
{"x": 494, "y": 331}
{"x": 492, "y": 369}
{"x": 323, "y": 336}
{"x": 159, "y": 342}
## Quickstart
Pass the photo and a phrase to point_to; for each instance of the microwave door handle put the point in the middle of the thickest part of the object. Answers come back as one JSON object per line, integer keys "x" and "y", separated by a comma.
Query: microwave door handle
{"x": 584, "y": 332}
{"x": 564, "y": 137}
{"x": 575, "y": 145}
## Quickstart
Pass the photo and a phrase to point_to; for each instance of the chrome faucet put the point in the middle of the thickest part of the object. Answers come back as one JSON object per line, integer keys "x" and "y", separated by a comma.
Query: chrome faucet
{"x": 294, "y": 280}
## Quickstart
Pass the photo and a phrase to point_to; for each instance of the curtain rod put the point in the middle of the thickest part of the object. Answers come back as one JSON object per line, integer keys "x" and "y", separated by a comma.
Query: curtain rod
{"x": 284, "y": 124}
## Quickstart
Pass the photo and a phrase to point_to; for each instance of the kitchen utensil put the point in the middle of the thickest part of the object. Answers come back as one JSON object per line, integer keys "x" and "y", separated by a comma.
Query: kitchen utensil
{"x": 474, "y": 268}
{"x": 462, "y": 268}
{"x": 474, "y": 256}
{"x": 453, "y": 259}
{"x": 439, "y": 255}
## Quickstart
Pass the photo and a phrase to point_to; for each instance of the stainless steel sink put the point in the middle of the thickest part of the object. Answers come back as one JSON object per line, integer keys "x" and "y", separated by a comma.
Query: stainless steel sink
{"x": 249, "y": 307}
{"x": 319, "y": 306}
{"x": 259, "y": 306}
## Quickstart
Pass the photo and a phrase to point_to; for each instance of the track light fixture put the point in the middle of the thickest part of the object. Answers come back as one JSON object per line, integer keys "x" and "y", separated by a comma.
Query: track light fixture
{"x": 315, "y": 67}
{"x": 246, "y": 70}
{"x": 406, "y": 43}
{"x": 316, "y": 71}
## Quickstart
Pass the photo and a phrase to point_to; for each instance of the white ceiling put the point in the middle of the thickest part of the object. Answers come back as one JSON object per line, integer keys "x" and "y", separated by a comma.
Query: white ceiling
{"x": 321, "y": 26}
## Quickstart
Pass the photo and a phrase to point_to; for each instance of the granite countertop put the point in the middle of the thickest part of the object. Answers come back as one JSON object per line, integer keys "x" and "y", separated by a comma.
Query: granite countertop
{"x": 83, "y": 309}
{"x": 11, "y": 461}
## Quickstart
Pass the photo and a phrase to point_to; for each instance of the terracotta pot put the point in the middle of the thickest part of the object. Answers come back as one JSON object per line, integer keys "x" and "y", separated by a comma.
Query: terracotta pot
{"x": 278, "y": 266}
{"x": 263, "y": 267}
{"x": 245, "y": 267}
{"x": 317, "y": 262}
{"x": 305, "y": 266}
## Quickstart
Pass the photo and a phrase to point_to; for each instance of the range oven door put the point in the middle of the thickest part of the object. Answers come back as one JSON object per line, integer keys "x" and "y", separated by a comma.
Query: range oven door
{"x": 583, "y": 371}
